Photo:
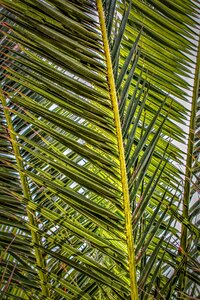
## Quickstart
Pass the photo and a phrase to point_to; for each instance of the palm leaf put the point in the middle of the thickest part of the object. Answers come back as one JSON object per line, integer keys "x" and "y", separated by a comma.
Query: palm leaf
{"x": 190, "y": 191}
{"x": 90, "y": 117}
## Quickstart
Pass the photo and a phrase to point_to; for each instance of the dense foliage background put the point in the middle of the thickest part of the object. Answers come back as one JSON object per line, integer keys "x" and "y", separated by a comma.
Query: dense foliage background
{"x": 97, "y": 190}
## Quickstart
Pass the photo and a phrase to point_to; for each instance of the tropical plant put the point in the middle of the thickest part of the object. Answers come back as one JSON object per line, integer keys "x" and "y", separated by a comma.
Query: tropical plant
{"x": 94, "y": 203}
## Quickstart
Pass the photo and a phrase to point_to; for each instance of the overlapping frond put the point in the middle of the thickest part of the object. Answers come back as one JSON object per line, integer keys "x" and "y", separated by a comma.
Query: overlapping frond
{"x": 67, "y": 234}
{"x": 189, "y": 244}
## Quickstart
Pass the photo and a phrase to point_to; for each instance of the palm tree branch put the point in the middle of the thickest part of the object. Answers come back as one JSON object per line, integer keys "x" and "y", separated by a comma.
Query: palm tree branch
{"x": 125, "y": 188}
{"x": 26, "y": 193}
{"x": 189, "y": 162}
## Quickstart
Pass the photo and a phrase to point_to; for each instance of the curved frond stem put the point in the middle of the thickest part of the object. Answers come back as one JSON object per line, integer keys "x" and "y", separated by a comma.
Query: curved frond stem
{"x": 26, "y": 193}
{"x": 189, "y": 162}
{"x": 125, "y": 190}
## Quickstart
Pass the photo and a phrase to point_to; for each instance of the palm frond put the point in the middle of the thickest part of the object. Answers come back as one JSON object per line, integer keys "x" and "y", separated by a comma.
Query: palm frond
{"x": 190, "y": 192}
{"x": 91, "y": 112}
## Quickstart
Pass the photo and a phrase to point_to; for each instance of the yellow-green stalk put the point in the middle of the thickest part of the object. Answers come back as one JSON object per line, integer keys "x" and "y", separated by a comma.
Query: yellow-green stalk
{"x": 125, "y": 190}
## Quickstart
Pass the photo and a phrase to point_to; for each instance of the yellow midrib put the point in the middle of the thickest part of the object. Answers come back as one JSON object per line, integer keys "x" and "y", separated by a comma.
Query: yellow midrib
{"x": 124, "y": 181}
{"x": 26, "y": 194}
